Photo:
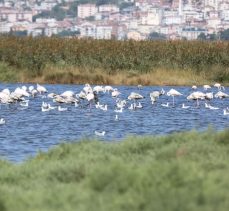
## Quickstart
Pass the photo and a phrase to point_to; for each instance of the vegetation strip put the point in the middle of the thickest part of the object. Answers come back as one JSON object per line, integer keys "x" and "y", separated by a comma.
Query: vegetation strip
{"x": 183, "y": 171}
{"x": 73, "y": 60}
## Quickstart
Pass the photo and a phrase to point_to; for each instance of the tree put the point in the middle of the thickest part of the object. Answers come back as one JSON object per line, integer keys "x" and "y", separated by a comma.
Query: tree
{"x": 156, "y": 36}
{"x": 224, "y": 35}
{"x": 212, "y": 37}
{"x": 202, "y": 36}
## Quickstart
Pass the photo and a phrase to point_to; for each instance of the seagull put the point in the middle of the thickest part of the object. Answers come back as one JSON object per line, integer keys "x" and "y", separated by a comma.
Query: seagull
{"x": 165, "y": 104}
{"x": 62, "y": 109}
{"x": 116, "y": 117}
{"x": 2, "y": 121}
{"x": 184, "y": 106}
{"x": 225, "y": 112}
{"x": 100, "y": 133}
{"x": 24, "y": 103}
{"x": 118, "y": 110}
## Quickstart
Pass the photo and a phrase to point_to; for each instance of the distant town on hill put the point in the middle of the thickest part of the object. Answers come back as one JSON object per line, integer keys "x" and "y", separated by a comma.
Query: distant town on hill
{"x": 117, "y": 19}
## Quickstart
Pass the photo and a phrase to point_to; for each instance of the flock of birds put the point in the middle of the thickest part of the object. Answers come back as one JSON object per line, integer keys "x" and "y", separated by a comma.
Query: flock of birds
{"x": 91, "y": 95}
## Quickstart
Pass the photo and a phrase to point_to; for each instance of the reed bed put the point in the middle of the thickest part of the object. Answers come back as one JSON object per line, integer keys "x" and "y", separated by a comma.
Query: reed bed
{"x": 207, "y": 60}
{"x": 183, "y": 171}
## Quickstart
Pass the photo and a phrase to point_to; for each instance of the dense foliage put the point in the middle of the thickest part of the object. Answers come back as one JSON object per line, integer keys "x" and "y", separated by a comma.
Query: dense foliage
{"x": 144, "y": 56}
{"x": 186, "y": 171}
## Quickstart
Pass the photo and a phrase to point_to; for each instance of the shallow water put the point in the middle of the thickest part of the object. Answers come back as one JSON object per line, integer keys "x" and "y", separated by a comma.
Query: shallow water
{"x": 28, "y": 130}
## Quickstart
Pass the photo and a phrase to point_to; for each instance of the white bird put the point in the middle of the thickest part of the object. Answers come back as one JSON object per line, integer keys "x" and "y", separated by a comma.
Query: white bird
{"x": 225, "y": 112}
{"x": 87, "y": 88}
{"x": 184, "y": 106}
{"x": 132, "y": 106}
{"x": 100, "y": 133}
{"x": 31, "y": 88}
{"x": 103, "y": 107}
{"x": 212, "y": 107}
{"x": 194, "y": 87}
{"x": 115, "y": 93}
{"x": 173, "y": 93}
{"x": 165, "y": 105}
{"x": 62, "y": 109}
{"x": 196, "y": 96}
{"x": 108, "y": 89}
{"x": 41, "y": 89}
{"x": 118, "y": 110}
{"x": 139, "y": 105}
{"x": 206, "y": 105}
{"x": 134, "y": 96}
{"x": 220, "y": 94}
{"x": 209, "y": 96}
{"x": 2, "y": 121}
{"x": 51, "y": 107}
{"x": 206, "y": 87}
{"x": 67, "y": 94}
{"x": 24, "y": 103}
{"x": 45, "y": 109}
{"x": 116, "y": 117}
{"x": 218, "y": 85}
{"x": 98, "y": 89}
{"x": 139, "y": 86}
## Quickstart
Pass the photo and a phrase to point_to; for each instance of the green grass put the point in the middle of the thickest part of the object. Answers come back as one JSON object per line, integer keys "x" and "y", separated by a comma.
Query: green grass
{"x": 184, "y": 171}
{"x": 7, "y": 73}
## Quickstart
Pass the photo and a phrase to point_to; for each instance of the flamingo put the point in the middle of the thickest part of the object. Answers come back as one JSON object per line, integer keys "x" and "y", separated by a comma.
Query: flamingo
{"x": 218, "y": 85}
{"x": 206, "y": 87}
{"x": 196, "y": 96}
{"x": 220, "y": 94}
{"x": 115, "y": 93}
{"x": 173, "y": 93}
{"x": 41, "y": 89}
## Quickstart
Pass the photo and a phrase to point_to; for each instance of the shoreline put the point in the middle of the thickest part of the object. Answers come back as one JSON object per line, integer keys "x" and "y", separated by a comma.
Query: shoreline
{"x": 72, "y": 75}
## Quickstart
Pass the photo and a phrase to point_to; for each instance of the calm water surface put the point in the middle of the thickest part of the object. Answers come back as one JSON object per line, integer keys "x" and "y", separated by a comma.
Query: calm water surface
{"x": 28, "y": 130}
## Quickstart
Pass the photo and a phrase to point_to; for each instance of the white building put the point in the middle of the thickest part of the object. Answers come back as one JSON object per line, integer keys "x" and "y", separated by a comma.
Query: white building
{"x": 108, "y": 8}
{"x": 86, "y": 10}
{"x": 103, "y": 32}
{"x": 192, "y": 33}
{"x": 211, "y": 3}
{"x": 12, "y": 15}
{"x": 5, "y": 27}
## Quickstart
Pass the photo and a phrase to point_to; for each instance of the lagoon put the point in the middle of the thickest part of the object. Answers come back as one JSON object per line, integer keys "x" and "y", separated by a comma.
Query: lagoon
{"x": 28, "y": 130}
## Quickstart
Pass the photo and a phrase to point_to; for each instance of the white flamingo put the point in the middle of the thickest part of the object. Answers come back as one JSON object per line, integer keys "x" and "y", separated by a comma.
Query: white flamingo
{"x": 196, "y": 96}
{"x": 206, "y": 87}
{"x": 219, "y": 86}
{"x": 173, "y": 93}
{"x": 41, "y": 89}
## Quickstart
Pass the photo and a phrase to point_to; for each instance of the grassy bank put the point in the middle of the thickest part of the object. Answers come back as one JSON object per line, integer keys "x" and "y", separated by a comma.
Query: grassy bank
{"x": 72, "y": 75}
{"x": 185, "y": 171}
{"x": 58, "y": 60}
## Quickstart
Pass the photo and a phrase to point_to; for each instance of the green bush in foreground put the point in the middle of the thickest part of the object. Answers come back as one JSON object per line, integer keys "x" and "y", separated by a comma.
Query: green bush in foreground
{"x": 184, "y": 171}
